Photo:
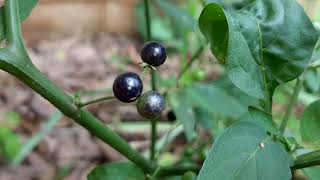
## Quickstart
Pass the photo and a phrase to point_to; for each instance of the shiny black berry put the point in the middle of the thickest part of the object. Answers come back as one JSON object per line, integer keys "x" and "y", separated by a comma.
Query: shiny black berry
{"x": 127, "y": 87}
{"x": 150, "y": 105}
{"x": 153, "y": 53}
{"x": 171, "y": 116}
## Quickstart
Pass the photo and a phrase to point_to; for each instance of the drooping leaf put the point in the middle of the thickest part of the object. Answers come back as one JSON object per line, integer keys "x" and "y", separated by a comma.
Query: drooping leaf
{"x": 116, "y": 171}
{"x": 264, "y": 44}
{"x": 310, "y": 124}
{"x": 246, "y": 152}
{"x": 25, "y": 9}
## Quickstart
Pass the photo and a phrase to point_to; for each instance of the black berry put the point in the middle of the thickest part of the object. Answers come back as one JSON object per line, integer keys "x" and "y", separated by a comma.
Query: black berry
{"x": 150, "y": 105}
{"x": 127, "y": 87}
{"x": 153, "y": 53}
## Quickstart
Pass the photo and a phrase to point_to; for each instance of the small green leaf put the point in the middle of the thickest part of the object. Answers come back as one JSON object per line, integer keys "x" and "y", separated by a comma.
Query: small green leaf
{"x": 116, "y": 171}
{"x": 25, "y": 9}
{"x": 10, "y": 144}
{"x": 310, "y": 124}
{"x": 261, "y": 43}
{"x": 312, "y": 81}
{"x": 183, "y": 109}
{"x": 13, "y": 119}
{"x": 246, "y": 152}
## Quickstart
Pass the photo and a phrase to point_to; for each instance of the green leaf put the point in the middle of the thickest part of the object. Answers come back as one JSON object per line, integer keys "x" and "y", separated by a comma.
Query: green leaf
{"x": 25, "y": 9}
{"x": 181, "y": 19}
{"x": 215, "y": 100}
{"x": 246, "y": 152}
{"x": 313, "y": 172}
{"x": 183, "y": 109}
{"x": 310, "y": 124}
{"x": 312, "y": 81}
{"x": 116, "y": 171}
{"x": 262, "y": 119}
{"x": 10, "y": 144}
{"x": 266, "y": 43}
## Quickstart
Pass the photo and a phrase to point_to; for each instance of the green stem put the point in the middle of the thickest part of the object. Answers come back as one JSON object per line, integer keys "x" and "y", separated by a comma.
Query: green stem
{"x": 156, "y": 173}
{"x": 307, "y": 160}
{"x": 192, "y": 60}
{"x": 13, "y": 25}
{"x": 292, "y": 102}
{"x": 80, "y": 105}
{"x": 153, "y": 139}
{"x": 153, "y": 81}
{"x": 148, "y": 19}
{"x": 20, "y": 66}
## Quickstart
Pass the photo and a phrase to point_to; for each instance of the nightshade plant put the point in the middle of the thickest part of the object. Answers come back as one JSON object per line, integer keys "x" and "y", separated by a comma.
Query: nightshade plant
{"x": 262, "y": 44}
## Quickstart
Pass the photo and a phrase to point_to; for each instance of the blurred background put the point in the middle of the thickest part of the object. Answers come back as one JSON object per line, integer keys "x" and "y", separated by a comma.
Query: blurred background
{"x": 82, "y": 46}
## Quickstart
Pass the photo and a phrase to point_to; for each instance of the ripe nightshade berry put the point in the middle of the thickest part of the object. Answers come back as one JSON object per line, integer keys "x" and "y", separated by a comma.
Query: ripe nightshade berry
{"x": 127, "y": 87}
{"x": 150, "y": 105}
{"x": 153, "y": 53}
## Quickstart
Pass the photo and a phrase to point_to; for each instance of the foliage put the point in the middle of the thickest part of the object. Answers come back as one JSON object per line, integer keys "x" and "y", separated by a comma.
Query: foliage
{"x": 263, "y": 44}
{"x": 116, "y": 171}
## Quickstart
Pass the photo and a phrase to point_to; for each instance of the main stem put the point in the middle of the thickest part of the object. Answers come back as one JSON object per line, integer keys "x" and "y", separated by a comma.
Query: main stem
{"x": 153, "y": 82}
{"x": 292, "y": 102}
{"x": 15, "y": 60}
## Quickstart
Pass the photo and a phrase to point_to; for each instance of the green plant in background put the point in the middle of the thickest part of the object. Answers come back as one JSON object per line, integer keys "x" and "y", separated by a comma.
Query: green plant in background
{"x": 263, "y": 44}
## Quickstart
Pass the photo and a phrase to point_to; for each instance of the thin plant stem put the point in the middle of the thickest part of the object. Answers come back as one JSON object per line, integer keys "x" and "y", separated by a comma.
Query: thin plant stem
{"x": 153, "y": 139}
{"x": 14, "y": 34}
{"x": 153, "y": 81}
{"x": 148, "y": 19}
{"x": 20, "y": 66}
{"x": 192, "y": 60}
{"x": 292, "y": 102}
{"x": 18, "y": 63}
{"x": 83, "y": 104}
{"x": 307, "y": 160}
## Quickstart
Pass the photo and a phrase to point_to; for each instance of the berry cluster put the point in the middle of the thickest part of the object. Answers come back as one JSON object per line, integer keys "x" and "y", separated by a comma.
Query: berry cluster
{"x": 128, "y": 87}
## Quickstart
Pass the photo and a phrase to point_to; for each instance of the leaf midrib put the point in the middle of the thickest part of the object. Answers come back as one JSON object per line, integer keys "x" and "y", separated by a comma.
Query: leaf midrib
{"x": 250, "y": 157}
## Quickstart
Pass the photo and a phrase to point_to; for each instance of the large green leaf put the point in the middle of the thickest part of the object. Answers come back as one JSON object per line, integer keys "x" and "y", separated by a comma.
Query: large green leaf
{"x": 266, "y": 43}
{"x": 310, "y": 124}
{"x": 246, "y": 152}
{"x": 116, "y": 171}
{"x": 25, "y": 9}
